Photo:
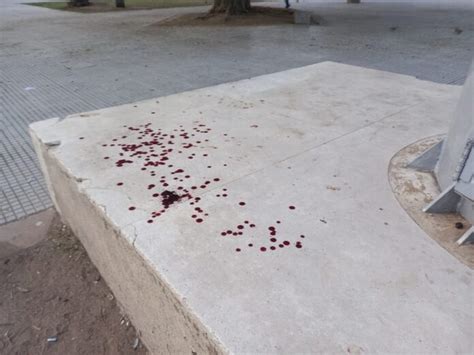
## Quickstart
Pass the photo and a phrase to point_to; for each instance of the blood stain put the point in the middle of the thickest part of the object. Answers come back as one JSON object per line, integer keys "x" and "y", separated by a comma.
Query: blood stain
{"x": 242, "y": 203}
{"x": 291, "y": 207}
{"x": 263, "y": 249}
{"x": 132, "y": 208}
{"x": 169, "y": 197}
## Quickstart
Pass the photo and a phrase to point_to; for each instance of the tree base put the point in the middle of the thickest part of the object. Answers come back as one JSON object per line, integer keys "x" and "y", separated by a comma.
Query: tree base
{"x": 230, "y": 7}
{"x": 79, "y": 3}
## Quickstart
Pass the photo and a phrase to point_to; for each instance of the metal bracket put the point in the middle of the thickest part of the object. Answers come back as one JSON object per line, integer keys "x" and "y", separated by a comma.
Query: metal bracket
{"x": 467, "y": 236}
{"x": 428, "y": 160}
{"x": 446, "y": 202}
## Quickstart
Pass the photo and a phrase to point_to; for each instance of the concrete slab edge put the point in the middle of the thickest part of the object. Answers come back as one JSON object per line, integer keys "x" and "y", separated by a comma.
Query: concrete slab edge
{"x": 165, "y": 322}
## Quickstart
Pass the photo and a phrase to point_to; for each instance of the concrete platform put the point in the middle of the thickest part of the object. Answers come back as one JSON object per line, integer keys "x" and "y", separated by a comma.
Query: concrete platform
{"x": 257, "y": 216}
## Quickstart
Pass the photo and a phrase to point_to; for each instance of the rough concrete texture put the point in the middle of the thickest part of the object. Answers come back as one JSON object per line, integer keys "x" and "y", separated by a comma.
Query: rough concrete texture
{"x": 284, "y": 235}
{"x": 55, "y": 63}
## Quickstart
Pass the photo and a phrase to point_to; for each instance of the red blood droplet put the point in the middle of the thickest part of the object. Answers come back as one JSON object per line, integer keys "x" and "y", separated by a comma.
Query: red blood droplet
{"x": 292, "y": 207}
{"x": 301, "y": 236}
{"x": 286, "y": 242}
{"x": 242, "y": 203}
{"x": 131, "y": 208}
{"x": 119, "y": 183}
{"x": 250, "y": 245}
{"x": 237, "y": 250}
{"x": 272, "y": 247}
{"x": 263, "y": 249}
{"x": 199, "y": 220}
{"x": 240, "y": 226}
{"x": 273, "y": 240}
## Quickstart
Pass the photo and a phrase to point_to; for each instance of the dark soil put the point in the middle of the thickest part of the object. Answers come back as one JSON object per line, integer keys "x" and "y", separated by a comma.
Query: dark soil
{"x": 258, "y": 16}
{"x": 52, "y": 289}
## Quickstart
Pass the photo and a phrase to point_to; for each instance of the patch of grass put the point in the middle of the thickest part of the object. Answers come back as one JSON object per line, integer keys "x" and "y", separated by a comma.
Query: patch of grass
{"x": 51, "y": 5}
{"x": 129, "y": 5}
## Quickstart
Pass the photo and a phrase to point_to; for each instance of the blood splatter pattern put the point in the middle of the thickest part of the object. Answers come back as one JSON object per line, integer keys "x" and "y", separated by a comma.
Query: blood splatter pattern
{"x": 158, "y": 153}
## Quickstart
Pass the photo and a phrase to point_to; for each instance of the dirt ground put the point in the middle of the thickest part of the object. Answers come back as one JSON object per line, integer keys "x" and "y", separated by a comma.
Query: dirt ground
{"x": 258, "y": 16}
{"x": 52, "y": 290}
{"x": 415, "y": 189}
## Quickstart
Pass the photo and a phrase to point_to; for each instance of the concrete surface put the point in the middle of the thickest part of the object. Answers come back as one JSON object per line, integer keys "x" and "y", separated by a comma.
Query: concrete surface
{"x": 300, "y": 153}
{"x": 25, "y": 232}
{"x": 54, "y": 63}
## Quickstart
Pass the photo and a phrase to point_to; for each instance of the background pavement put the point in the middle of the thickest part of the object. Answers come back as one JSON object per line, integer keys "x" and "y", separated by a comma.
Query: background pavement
{"x": 54, "y": 63}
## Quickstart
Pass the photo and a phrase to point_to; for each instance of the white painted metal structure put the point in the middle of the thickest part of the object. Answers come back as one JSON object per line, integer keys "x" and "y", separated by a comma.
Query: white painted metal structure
{"x": 454, "y": 166}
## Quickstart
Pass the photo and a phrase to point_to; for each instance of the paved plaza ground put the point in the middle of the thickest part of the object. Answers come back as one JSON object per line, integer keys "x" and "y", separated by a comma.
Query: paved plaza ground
{"x": 54, "y": 63}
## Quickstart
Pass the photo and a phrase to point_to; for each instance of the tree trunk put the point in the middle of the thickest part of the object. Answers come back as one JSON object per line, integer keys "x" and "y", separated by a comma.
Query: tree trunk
{"x": 231, "y": 7}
